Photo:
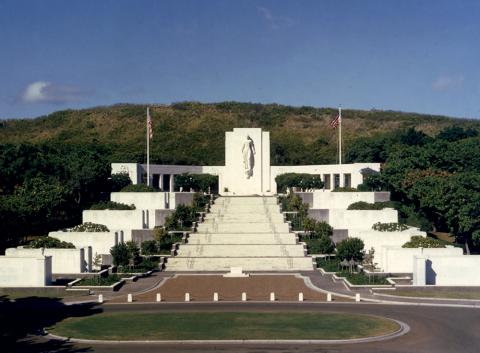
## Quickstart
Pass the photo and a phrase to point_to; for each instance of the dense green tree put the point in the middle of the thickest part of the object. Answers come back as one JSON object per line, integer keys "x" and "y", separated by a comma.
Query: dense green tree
{"x": 350, "y": 249}
{"x": 119, "y": 181}
{"x": 120, "y": 254}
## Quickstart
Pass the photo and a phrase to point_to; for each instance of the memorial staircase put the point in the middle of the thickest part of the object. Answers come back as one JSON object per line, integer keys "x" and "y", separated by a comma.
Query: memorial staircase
{"x": 246, "y": 232}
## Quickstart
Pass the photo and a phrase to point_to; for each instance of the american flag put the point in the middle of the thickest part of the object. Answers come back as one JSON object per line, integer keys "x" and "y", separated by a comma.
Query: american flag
{"x": 334, "y": 123}
{"x": 149, "y": 124}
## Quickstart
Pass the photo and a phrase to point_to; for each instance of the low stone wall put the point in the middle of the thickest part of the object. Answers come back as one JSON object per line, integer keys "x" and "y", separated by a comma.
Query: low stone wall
{"x": 63, "y": 260}
{"x": 378, "y": 240}
{"x": 100, "y": 242}
{"x": 324, "y": 199}
{"x": 161, "y": 215}
{"x": 25, "y": 271}
{"x": 361, "y": 219}
{"x": 119, "y": 219}
{"x": 446, "y": 270}
{"x": 141, "y": 200}
{"x": 141, "y": 235}
{"x": 400, "y": 260}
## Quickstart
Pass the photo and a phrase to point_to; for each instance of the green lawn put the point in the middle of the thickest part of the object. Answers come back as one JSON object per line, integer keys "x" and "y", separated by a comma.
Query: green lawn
{"x": 438, "y": 293}
{"x": 19, "y": 294}
{"x": 223, "y": 325}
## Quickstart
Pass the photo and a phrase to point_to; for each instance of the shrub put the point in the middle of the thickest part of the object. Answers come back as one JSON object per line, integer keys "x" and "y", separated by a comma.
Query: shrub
{"x": 138, "y": 188}
{"x": 89, "y": 227}
{"x": 111, "y": 205}
{"x": 133, "y": 251}
{"x": 197, "y": 182}
{"x": 323, "y": 245}
{"x": 301, "y": 180}
{"x": 389, "y": 227}
{"x": 417, "y": 241}
{"x": 362, "y": 278}
{"x": 50, "y": 243}
{"x": 120, "y": 254}
{"x": 341, "y": 189}
{"x": 99, "y": 281}
{"x": 166, "y": 240}
{"x": 476, "y": 238}
{"x": 328, "y": 264}
{"x": 119, "y": 181}
{"x": 200, "y": 201}
{"x": 149, "y": 247}
{"x": 181, "y": 219}
{"x": 362, "y": 205}
{"x": 350, "y": 249}
{"x": 316, "y": 229}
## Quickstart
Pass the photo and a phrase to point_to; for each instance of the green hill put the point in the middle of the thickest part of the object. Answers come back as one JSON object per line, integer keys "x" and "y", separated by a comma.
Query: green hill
{"x": 194, "y": 133}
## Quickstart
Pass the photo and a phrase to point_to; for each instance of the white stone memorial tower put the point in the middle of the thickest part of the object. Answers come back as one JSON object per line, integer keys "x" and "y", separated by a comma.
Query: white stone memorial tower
{"x": 247, "y": 162}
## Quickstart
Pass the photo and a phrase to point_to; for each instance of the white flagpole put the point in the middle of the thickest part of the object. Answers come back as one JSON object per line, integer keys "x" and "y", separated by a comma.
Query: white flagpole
{"x": 148, "y": 148}
{"x": 340, "y": 135}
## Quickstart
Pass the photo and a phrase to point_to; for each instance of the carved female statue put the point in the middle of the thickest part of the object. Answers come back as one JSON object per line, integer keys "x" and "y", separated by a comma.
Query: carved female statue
{"x": 248, "y": 150}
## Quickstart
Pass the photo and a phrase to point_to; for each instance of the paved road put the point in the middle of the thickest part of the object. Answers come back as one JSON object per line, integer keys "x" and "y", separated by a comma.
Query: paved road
{"x": 433, "y": 329}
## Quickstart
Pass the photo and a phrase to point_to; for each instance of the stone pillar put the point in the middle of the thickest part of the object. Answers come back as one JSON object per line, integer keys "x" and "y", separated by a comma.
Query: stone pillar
{"x": 172, "y": 182}
{"x": 419, "y": 271}
{"x": 160, "y": 182}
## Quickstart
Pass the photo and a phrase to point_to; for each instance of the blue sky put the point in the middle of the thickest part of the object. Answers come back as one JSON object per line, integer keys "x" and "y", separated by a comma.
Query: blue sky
{"x": 409, "y": 55}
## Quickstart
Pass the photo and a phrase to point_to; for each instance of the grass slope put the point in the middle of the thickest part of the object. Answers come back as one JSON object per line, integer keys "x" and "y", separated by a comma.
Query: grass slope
{"x": 224, "y": 325}
{"x": 194, "y": 133}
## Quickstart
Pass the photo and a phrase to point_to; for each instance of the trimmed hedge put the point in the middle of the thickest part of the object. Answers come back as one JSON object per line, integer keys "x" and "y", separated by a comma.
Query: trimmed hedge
{"x": 89, "y": 227}
{"x": 300, "y": 180}
{"x": 389, "y": 227}
{"x": 111, "y": 205}
{"x": 138, "y": 188}
{"x": 50, "y": 243}
{"x": 418, "y": 241}
{"x": 362, "y": 205}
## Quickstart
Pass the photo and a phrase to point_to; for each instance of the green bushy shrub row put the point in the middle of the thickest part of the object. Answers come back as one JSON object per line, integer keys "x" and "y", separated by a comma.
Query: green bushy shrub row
{"x": 89, "y": 227}
{"x": 389, "y": 227}
{"x": 111, "y": 205}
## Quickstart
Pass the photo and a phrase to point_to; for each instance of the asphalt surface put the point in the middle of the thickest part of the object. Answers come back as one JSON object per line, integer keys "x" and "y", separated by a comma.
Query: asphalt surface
{"x": 435, "y": 329}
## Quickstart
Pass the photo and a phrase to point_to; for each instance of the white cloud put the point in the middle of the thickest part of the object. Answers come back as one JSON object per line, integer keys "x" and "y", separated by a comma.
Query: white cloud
{"x": 446, "y": 82}
{"x": 275, "y": 22}
{"x": 47, "y": 92}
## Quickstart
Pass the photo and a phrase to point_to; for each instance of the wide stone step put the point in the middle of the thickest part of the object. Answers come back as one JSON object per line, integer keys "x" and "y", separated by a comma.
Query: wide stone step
{"x": 244, "y": 250}
{"x": 246, "y": 263}
{"x": 246, "y": 219}
{"x": 245, "y": 209}
{"x": 246, "y": 201}
{"x": 237, "y": 238}
{"x": 243, "y": 228}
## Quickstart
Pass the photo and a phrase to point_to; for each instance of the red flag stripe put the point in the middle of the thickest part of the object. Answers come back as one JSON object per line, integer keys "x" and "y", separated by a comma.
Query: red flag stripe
{"x": 334, "y": 123}
{"x": 150, "y": 126}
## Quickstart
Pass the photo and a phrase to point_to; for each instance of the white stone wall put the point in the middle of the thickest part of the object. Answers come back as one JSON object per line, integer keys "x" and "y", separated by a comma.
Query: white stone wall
{"x": 401, "y": 260}
{"x": 353, "y": 169}
{"x": 63, "y": 260}
{"x": 142, "y": 200}
{"x": 120, "y": 219}
{"x": 100, "y": 242}
{"x": 459, "y": 270}
{"x": 341, "y": 200}
{"x": 25, "y": 271}
{"x": 379, "y": 240}
{"x": 360, "y": 219}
